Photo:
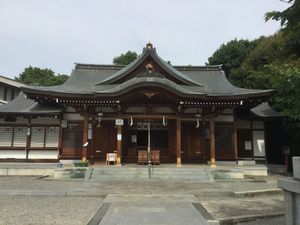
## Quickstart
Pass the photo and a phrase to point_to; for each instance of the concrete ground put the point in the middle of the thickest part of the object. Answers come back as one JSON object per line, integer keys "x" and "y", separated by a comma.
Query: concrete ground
{"x": 44, "y": 201}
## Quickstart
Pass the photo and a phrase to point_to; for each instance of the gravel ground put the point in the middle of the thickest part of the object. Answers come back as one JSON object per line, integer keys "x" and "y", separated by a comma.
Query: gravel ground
{"x": 35, "y": 210}
{"x": 33, "y": 183}
{"x": 47, "y": 210}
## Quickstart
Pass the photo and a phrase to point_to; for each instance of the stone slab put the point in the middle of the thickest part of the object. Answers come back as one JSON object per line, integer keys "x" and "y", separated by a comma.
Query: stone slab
{"x": 26, "y": 171}
{"x": 172, "y": 198}
{"x": 296, "y": 166}
{"x": 152, "y": 213}
{"x": 253, "y": 193}
{"x": 289, "y": 184}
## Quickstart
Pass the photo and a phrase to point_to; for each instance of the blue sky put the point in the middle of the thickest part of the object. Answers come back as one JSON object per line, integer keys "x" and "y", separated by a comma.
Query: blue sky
{"x": 57, "y": 33}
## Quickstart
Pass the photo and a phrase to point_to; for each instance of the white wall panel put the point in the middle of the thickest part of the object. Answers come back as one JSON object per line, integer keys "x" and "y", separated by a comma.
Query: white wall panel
{"x": 259, "y": 143}
{"x": 224, "y": 118}
{"x": 42, "y": 154}
{"x": 20, "y": 137}
{"x": 52, "y": 137}
{"x": 5, "y": 136}
{"x": 45, "y": 120}
{"x": 12, "y": 154}
{"x": 73, "y": 117}
{"x": 37, "y": 137}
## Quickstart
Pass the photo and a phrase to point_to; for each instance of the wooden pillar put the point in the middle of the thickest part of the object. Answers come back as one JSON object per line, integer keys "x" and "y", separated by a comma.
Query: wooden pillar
{"x": 28, "y": 137}
{"x": 119, "y": 145}
{"x": 60, "y": 143}
{"x": 212, "y": 141}
{"x": 85, "y": 135}
{"x": 234, "y": 139}
{"x": 178, "y": 143}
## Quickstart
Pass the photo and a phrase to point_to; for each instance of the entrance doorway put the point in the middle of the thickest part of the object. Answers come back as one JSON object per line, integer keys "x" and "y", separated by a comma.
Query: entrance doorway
{"x": 137, "y": 139}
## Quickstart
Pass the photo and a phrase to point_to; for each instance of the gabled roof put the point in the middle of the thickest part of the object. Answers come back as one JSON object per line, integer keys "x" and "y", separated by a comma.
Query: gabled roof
{"x": 94, "y": 81}
{"x": 149, "y": 51}
{"x": 22, "y": 106}
{"x": 10, "y": 82}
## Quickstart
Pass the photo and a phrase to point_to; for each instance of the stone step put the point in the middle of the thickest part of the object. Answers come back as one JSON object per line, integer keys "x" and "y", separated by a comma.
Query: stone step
{"x": 142, "y": 173}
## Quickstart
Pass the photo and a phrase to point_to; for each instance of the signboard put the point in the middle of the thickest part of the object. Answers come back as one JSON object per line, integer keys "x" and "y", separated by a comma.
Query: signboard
{"x": 111, "y": 157}
{"x": 119, "y": 122}
{"x": 119, "y": 137}
{"x": 90, "y": 131}
{"x": 248, "y": 145}
{"x": 133, "y": 138}
{"x": 64, "y": 123}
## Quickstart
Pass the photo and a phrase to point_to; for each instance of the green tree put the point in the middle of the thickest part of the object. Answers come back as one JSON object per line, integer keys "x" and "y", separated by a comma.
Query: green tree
{"x": 125, "y": 59}
{"x": 285, "y": 79}
{"x": 290, "y": 22}
{"x": 37, "y": 76}
{"x": 232, "y": 54}
{"x": 251, "y": 72}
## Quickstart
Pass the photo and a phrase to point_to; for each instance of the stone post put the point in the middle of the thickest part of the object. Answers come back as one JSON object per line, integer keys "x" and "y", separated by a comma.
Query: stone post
{"x": 291, "y": 187}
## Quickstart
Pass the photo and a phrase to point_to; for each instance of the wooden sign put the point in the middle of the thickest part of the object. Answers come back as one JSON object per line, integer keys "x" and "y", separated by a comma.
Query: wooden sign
{"x": 119, "y": 122}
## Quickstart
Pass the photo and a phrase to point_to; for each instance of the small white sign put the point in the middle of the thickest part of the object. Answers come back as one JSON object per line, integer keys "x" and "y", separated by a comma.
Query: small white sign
{"x": 111, "y": 157}
{"x": 119, "y": 122}
{"x": 248, "y": 145}
{"x": 90, "y": 132}
{"x": 133, "y": 138}
{"x": 85, "y": 144}
{"x": 119, "y": 137}
{"x": 64, "y": 123}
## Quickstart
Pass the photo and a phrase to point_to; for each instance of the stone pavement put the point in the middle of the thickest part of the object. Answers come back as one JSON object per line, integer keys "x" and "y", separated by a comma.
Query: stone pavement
{"x": 157, "y": 209}
{"x": 145, "y": 202}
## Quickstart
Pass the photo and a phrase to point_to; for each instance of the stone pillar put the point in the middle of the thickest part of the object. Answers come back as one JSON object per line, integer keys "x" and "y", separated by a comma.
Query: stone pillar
{"x": 212, "y": 141}
{"x": 291, "y": 187}
{"x": 119, "y": 145}
{"x": 178, "y": 143}
{"x": 85, "y": 135}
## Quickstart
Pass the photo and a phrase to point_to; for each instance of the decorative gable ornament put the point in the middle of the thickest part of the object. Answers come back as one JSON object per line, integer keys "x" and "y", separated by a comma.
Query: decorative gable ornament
{"x": 149, "y": 69}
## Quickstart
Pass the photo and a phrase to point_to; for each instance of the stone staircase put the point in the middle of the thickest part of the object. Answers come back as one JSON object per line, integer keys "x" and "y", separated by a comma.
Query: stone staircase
{"x": 142, "y": 173}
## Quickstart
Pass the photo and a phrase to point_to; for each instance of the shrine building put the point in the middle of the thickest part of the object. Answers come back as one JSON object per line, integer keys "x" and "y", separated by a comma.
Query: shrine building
{"x": 179, "y": 114}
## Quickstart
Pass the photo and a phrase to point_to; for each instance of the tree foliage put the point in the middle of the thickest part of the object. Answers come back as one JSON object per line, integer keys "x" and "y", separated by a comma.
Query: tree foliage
{"x": 290, "y": 20}
{"x": 251, "y": 72}
{"x": 270, "y": 63}
{"x": 285, "y": 79}
{"x": 125, "y": 59}
{"x": 232, "y": 54}
{"x": 37, "y": 76}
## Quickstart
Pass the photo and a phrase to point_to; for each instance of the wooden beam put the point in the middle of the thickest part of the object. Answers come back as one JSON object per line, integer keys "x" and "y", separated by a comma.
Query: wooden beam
{"x": 85, "y": 135}
{"x": 140, "y": 116}
{"x": 178, "y": 143}
{"x": 119, "y": 145}
{"x": 212, "y": 141}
